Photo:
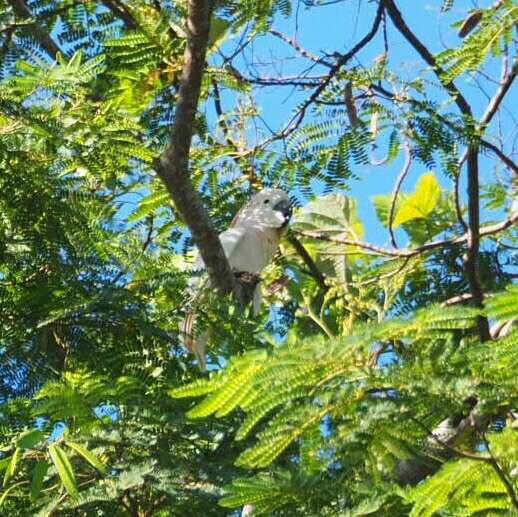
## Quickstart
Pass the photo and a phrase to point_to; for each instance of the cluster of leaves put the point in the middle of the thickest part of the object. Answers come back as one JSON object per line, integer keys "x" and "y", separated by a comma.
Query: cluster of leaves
{"x": 322, "y": 401}
{"x": 333, "y": 391}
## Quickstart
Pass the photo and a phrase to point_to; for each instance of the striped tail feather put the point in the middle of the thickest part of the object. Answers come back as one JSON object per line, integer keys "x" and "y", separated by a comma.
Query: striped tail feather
{"x": 195, "y": 344}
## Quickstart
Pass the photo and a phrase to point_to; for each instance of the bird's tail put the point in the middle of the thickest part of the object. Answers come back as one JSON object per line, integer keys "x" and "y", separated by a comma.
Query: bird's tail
{"x": 196, "y": 344}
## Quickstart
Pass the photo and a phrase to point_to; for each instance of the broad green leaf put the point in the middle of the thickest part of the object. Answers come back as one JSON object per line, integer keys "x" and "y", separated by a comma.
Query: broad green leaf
{"x": 64, "y": 468}
{"x": 4, "y": 463}
{"x": 336, "y": 215}
{"x": 29, "y": 439}
{"x": 37, "y": 478}
{"x": 11, "y": 467}
{"x": 88, "y": 456}
{"x": 421, "y": 203}
{"x": 218, "y": 32}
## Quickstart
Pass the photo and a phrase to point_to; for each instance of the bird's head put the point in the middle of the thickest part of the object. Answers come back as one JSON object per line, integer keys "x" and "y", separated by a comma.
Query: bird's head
{"x": 270, "y": 207}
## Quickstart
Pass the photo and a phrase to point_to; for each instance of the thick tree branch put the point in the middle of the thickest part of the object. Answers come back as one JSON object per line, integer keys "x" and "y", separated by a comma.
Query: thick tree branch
{"x": 21, "y": 10}
{"x": 491, "y": 110}
{"x": 173, "y": 165}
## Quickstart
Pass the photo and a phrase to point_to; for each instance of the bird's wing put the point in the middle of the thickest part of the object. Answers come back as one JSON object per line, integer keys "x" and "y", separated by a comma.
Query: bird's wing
{"x": 230, "y": 241}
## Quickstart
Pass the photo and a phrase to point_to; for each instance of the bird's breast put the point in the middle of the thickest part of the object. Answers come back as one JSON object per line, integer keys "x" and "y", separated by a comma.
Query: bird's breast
{"x": 255, "y": 250}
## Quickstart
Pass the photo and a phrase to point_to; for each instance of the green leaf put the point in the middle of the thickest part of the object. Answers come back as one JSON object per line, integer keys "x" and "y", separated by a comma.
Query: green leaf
{"x": 366, "y": 507}
{"x": 11, "y": 467}
{"x": 337, "y": 216}
{"x": 218, "y": 32}
{"x": 40, "y": 470}
{"x": 64, "y": 468}
{"x": 29, "y": 439}
{"x": 421, "y": 203}
{"x": 88, "y": 456}
{"x": 4, "y": 462}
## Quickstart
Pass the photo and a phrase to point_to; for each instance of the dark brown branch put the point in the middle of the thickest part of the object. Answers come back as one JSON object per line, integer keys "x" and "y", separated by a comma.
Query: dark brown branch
{"x": 411, "y": 252}
{"x": 21, "y": 10}
{"x": 121, "y": 11}
{"x": 471, "y": 264}
{"x": 219, "y": 112}
{"x": 472, "y": 260}
{"x": 402, "y": 27}
{"x": 499, "y": 154}
{"x": 304, "y": 82}
{"x": 310, "y": 263}
{"x": 173, "y": 165}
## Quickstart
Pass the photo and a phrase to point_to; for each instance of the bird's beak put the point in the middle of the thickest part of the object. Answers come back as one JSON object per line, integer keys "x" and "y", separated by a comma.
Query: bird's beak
{"x": 285, "y": 208}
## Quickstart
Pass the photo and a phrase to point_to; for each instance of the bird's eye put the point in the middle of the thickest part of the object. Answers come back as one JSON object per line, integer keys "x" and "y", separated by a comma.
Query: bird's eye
{"x": 266, "y": 201}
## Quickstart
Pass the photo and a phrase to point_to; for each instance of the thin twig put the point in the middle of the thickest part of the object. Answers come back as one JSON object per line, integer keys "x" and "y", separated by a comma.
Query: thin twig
{"x": 401, "y": 177}
{"x": 412, "y": 252}
{"x": 302, "y": 51}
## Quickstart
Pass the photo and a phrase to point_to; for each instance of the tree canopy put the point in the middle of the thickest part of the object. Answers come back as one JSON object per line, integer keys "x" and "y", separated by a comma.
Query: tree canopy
{"x": 379, "y": 377}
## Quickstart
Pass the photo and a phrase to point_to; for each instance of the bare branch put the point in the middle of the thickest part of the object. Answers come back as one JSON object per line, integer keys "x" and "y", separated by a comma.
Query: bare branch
{"x": 302, "y": 51}
{"x": 121, "y": 11}
{"x": 411, "y": 252}
{"x": 310, "y": 263}
{"x": 399, "y": 181}
{"x": 457, "y": 299}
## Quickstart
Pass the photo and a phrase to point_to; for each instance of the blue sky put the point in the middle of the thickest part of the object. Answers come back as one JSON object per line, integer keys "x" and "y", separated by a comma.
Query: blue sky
{"x": 337, "y": 27}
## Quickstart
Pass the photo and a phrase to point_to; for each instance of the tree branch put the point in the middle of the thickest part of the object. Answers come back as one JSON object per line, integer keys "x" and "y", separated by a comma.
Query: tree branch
{"x": 472, "y": 260}
{"x": 402, "y": 175}
{"x": 402, "y": 27}
{"x": 411, "y": 252}
{"x": 302, "y": 51}
{"x": 21, "y": 10}
{"x": 173, "y": 165}
{"x": 310, "y": 263}
{"x": 121, "y": 11}
{"x": 471, "y": 264}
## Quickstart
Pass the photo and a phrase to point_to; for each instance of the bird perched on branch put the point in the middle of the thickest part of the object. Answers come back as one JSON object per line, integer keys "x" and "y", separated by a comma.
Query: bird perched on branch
{"x": 249, "y": 244}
